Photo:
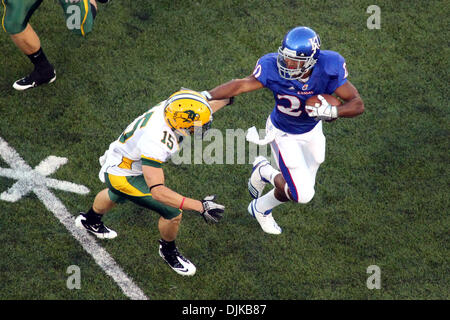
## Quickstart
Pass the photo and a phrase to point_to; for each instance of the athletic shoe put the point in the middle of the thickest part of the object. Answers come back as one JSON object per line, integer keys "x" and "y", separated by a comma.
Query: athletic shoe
{"x": 177, "y": 262}
{"x": 99, "y": 229}
{"x": 256, "y": 183}
{"x": 265, "y": 220}
{"x": 34, "y": 79}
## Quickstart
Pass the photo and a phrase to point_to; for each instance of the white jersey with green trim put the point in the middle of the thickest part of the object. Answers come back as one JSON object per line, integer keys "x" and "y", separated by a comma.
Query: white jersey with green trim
{"x": 148, "y": 138}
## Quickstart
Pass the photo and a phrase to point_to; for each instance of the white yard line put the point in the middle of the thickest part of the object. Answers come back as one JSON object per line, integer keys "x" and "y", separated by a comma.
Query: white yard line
{"x": 30, "y": 180}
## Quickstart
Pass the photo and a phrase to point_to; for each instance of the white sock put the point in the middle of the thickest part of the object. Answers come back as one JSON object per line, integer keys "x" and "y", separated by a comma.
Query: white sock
{"x": 267, "y": 202}
{"x": 269, "y": 173}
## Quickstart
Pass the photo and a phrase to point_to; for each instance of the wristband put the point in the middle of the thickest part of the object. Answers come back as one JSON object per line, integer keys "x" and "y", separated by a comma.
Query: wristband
{"x": 182, "y": 202}
{"x": 230, "y": 102}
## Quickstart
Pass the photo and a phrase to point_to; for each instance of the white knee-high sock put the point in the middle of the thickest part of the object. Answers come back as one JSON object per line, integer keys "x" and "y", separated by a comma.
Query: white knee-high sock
{"x": 267, "y": 202}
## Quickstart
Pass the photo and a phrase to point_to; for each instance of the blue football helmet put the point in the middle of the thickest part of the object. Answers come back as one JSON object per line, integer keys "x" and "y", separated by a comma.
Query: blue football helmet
{"x": 298, "y": 53}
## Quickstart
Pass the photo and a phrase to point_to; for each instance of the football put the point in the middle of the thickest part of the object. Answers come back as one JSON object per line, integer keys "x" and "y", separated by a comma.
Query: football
{"x": 331, "y": 100}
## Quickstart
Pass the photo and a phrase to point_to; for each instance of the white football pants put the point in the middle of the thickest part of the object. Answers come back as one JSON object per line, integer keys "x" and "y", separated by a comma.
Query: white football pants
{"x": 298, "y": 157}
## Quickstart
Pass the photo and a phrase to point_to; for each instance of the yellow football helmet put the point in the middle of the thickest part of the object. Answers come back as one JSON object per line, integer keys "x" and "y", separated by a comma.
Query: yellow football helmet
{"x": 187, "y": 112}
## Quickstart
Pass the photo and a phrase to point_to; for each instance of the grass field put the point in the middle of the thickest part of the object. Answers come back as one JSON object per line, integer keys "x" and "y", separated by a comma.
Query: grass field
{"x": 382, "y": 195}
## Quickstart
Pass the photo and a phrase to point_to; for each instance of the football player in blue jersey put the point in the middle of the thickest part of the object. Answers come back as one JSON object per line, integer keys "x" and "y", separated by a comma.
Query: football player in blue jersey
{"x": 299, "y": 70}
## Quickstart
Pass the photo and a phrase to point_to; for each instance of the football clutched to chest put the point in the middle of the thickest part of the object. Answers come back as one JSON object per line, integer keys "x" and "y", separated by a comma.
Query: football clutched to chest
{"x": 331, "y": 100}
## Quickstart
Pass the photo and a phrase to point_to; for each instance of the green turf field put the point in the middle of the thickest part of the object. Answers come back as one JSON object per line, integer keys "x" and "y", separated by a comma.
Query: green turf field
{"x": 382, "y": 195}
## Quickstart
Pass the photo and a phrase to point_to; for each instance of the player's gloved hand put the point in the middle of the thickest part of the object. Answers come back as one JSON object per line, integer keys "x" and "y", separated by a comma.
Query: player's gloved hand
{"x": 324, "y": 111}
{"x": 211, "y": 210}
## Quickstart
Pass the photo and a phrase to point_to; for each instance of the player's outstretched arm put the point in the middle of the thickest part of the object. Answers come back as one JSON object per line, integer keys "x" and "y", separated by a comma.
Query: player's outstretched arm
{"x": 235, "y": 87}
{"x": 353, "y": 105}
{"x": 210, "y": 211}
{"x": 219, "y": 104}
{"x": 155, "y": 180}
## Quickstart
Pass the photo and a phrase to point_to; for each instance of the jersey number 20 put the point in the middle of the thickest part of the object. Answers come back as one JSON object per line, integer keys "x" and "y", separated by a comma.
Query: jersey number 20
{"x": 293, "y": 109}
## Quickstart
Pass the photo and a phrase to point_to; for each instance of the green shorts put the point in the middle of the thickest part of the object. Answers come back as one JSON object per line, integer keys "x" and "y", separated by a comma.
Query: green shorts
{"x": 135, "y": 189}
{"x": 78, "y": 16}
{"x": 17, "y": 13}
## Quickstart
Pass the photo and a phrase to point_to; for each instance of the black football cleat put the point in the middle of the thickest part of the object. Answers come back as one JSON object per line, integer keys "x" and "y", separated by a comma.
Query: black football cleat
{"x": 99, "y": 229}
{"x": 34, "y": 79}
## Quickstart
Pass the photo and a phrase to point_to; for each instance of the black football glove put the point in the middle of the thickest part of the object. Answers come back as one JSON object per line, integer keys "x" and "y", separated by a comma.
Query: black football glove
{"x": 231, "y": 101}
{"x": 211, "y": 210}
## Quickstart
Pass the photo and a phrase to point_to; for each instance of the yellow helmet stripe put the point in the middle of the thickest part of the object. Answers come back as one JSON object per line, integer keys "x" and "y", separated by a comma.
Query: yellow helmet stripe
{"x": 188, "y": 95}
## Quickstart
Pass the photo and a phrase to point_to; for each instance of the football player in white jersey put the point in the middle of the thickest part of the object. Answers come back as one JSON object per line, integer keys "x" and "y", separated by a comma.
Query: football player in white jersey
{"x": 132, "y": 170}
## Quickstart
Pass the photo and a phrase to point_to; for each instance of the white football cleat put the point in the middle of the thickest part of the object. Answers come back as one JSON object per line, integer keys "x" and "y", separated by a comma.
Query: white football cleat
{"x": 266, "y": 220}
{"x": 256, "y": 183}
{"x": 177, "y": 262}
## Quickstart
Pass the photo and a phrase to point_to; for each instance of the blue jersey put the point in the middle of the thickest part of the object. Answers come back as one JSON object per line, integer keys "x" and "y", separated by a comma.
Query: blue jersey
{"x": 289, "y": 113}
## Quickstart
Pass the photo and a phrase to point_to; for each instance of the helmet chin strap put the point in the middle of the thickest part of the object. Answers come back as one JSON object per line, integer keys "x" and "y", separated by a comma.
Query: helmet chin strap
{"x": 307, "y": 73}
{"x": 303, "y": 80}
{"x": 300, "y": 75}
